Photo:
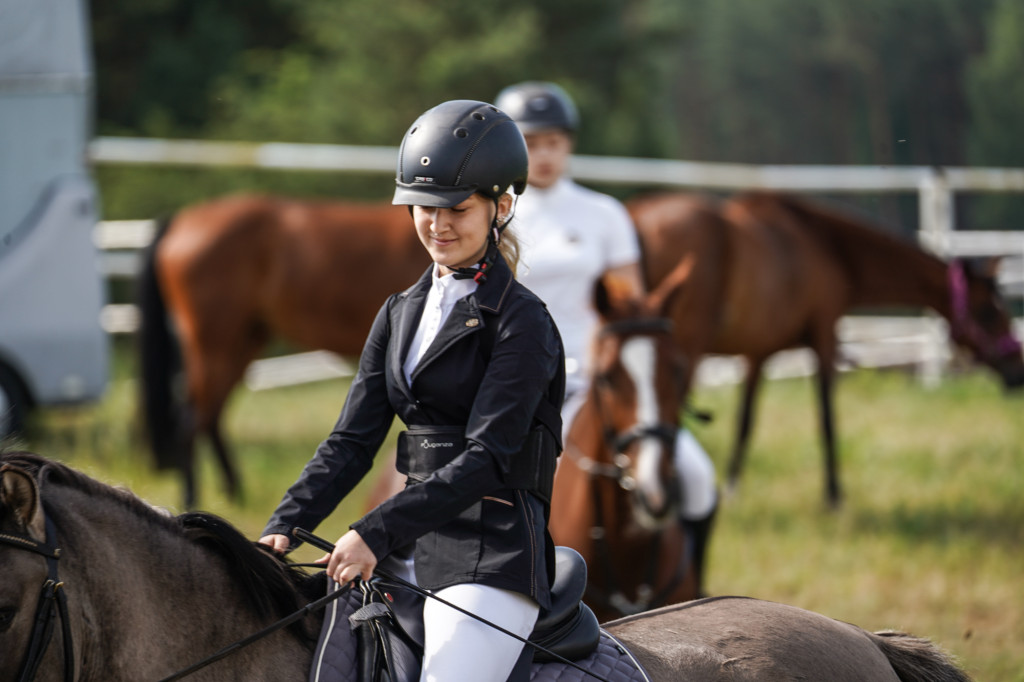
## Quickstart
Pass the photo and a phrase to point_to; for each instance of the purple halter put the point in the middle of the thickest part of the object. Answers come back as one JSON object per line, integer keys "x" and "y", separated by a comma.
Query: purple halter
{"x": 965, "y": 329}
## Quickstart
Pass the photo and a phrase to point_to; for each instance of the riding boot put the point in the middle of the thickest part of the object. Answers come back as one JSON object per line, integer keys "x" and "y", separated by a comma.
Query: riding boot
{"x": 698, "y": 531}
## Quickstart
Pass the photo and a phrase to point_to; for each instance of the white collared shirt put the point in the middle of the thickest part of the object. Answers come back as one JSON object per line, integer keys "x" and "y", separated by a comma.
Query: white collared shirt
{"x": 444, "y": 292}
{"x": 569, "y": 236}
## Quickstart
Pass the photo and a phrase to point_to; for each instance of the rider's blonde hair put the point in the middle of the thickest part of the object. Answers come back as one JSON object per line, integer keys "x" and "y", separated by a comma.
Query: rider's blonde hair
{"x": 508, "y": 247}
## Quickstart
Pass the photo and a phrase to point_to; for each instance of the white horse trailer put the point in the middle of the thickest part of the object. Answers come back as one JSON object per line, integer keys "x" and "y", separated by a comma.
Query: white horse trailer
{"x": 53, "y": 350}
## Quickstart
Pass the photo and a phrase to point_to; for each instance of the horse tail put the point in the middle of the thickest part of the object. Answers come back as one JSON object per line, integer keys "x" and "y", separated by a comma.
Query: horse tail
{"x": 159, "y": 361}
{"x": 916, "y": 659}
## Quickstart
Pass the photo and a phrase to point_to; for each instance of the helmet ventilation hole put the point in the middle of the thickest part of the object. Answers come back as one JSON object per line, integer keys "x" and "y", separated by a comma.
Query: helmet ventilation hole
{"x": 425, "y": 161}
{"x": 461, "y": 132}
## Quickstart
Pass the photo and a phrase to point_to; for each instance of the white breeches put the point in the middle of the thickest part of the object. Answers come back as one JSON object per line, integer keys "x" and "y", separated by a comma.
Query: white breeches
{"x": 459, "y": 647}
{"x": 696, "y": 476}
{"x": 696, "y": 470}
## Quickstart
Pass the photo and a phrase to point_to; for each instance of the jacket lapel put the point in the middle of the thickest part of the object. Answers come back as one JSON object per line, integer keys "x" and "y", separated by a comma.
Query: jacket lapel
{"x": 466, "y": 317}
{"x": 463, "y": 320}
{"x": 404, "y": 324}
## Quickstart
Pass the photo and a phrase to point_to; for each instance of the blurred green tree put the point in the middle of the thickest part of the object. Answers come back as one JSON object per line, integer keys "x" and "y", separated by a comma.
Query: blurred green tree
{"x": 996, "y": 130}
{"x": 756, "y": 81}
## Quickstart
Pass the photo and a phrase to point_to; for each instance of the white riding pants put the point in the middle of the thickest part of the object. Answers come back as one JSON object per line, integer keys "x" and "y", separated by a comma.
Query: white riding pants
{"x": 697, "y": 483}
{"x": 458, "y": 647}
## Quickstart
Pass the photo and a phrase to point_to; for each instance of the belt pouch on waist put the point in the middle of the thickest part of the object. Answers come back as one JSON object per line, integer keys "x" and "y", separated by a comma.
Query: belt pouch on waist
{"x": 422, "y": 450}
{"x": 533, "y": 468}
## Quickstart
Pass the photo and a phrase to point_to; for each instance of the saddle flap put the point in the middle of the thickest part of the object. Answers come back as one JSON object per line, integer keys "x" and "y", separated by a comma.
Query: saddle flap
{"x": 386, "y": 651}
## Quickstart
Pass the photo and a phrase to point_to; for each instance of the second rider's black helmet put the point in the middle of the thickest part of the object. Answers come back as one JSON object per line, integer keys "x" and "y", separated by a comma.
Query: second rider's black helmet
{"x": 458, "y": 148}
{"x": 536, "y": 105}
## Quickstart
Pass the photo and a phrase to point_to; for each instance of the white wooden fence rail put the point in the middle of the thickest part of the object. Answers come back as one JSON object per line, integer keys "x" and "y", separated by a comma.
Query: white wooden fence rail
{"x": 865, "y": 341}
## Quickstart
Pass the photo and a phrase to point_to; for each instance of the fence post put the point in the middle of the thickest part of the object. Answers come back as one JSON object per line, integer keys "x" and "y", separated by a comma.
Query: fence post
{"x": 935, "y": 201}
{"x": 935, "y": 204}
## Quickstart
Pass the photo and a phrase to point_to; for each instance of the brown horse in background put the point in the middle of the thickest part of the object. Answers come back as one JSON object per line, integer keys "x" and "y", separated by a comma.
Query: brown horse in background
{"x": 769, "y": 271}
{"x": 224, "y": 277}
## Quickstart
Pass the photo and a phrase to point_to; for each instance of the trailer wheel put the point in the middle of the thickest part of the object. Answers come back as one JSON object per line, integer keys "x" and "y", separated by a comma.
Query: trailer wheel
{"x": 13, "y": 403}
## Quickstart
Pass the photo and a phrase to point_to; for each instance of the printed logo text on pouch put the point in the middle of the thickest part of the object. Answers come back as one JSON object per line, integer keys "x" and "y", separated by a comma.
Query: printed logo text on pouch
{"x": 432, "y": 444}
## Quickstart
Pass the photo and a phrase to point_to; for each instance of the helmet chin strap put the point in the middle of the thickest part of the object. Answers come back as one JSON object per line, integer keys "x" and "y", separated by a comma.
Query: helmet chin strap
{"x": 479, "y": 273}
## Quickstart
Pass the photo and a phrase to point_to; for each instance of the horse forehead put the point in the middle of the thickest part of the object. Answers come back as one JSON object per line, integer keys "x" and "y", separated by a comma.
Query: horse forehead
{"x": 638, "y": 354}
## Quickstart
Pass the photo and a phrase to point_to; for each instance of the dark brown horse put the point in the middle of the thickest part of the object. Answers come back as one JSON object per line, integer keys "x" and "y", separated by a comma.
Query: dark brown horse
{"x": 135, "y": 609}
{"x": 224, "y": 277}
{"x": 617, "y": 495}
{"x": 769, "y": 271}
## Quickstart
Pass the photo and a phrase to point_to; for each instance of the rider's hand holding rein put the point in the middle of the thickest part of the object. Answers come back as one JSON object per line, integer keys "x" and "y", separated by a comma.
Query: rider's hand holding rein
{"x": 352, "y": 558}
{"x": 277, "y": 542}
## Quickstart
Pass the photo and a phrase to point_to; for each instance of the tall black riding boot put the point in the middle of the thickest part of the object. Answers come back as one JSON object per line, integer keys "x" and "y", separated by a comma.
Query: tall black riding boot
{"x": 698, "y": 531}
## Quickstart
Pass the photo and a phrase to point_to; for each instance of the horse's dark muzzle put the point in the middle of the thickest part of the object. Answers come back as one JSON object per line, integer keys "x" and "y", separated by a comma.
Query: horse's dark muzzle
{"x": 1012, "y": 374}
{"x": 1014, "y": 383}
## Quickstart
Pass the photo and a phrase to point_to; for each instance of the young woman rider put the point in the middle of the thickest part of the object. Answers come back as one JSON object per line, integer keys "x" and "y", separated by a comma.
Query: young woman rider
{"x": 472, "y": 363}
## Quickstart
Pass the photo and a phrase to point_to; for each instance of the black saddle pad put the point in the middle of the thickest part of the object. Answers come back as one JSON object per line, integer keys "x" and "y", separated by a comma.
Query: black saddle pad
{"x": 335, "y": 657}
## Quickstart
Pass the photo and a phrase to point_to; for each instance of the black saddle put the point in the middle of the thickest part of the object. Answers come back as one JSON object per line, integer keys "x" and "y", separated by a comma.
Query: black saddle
{"x": 569, "y": 628}
{"x": 389, "y": 626}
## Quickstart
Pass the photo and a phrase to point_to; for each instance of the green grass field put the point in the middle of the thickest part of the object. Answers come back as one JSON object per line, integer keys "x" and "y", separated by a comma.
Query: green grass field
{"x": 930, "y": 538}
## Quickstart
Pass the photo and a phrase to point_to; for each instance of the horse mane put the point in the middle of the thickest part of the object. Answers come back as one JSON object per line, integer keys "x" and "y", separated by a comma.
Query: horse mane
{"x": 273, "y": 588}
{"x": 863, "y": 248}
{"x": 48, "y": 470}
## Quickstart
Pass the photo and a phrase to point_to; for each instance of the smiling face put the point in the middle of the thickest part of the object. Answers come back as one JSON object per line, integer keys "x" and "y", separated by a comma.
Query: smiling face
{"x": 456, "y": 237}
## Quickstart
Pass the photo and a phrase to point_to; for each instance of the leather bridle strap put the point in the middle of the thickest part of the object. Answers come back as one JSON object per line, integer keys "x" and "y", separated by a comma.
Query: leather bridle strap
{"x": 612, "y": 597}
{"x": 965, "y": 329}
{"x": 51, "y": 598}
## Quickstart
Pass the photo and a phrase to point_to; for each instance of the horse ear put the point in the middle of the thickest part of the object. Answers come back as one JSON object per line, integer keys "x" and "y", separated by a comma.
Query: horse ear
{"x": 612, "y": 297}
{"x": 661, "y": 298}
{"x": 19, "y": 500}
{"x": 983, "y": 266}
{"x": 989, "y": 267}
{"x": 602, "y": 300}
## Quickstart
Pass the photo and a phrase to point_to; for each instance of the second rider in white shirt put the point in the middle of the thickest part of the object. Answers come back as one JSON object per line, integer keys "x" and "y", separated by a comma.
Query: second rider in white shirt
{"x": 570, "y": 237}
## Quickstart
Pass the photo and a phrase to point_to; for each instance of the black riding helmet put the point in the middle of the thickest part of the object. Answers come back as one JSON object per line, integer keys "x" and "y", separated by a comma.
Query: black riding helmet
{"x": 458, "y": 148}
{"x": 536, "y": 105}
{"x": 454, "y": 150}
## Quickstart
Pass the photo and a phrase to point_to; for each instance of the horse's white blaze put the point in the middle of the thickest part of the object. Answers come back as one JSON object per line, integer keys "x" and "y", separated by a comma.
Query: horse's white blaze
{"x": 638, "y": 356}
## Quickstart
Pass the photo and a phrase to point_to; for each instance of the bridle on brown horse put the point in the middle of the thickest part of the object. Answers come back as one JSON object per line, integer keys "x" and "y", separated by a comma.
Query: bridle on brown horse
{"x": 51, "y": 599}
{"x": 619, "y": 471}
{"x": 965, "y": 329}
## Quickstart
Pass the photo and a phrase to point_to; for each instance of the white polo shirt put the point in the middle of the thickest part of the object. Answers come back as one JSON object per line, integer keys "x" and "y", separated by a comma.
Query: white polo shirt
{"x": 570, "y": 236}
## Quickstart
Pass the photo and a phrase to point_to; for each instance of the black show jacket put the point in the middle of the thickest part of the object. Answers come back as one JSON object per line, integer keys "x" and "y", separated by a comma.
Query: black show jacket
{"x": 467, "y": 525}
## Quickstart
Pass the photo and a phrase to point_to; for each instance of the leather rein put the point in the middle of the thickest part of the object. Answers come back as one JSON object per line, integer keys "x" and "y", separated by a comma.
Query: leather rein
{"x": 52, "y": 600}
{"x": 618, "y": 471}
